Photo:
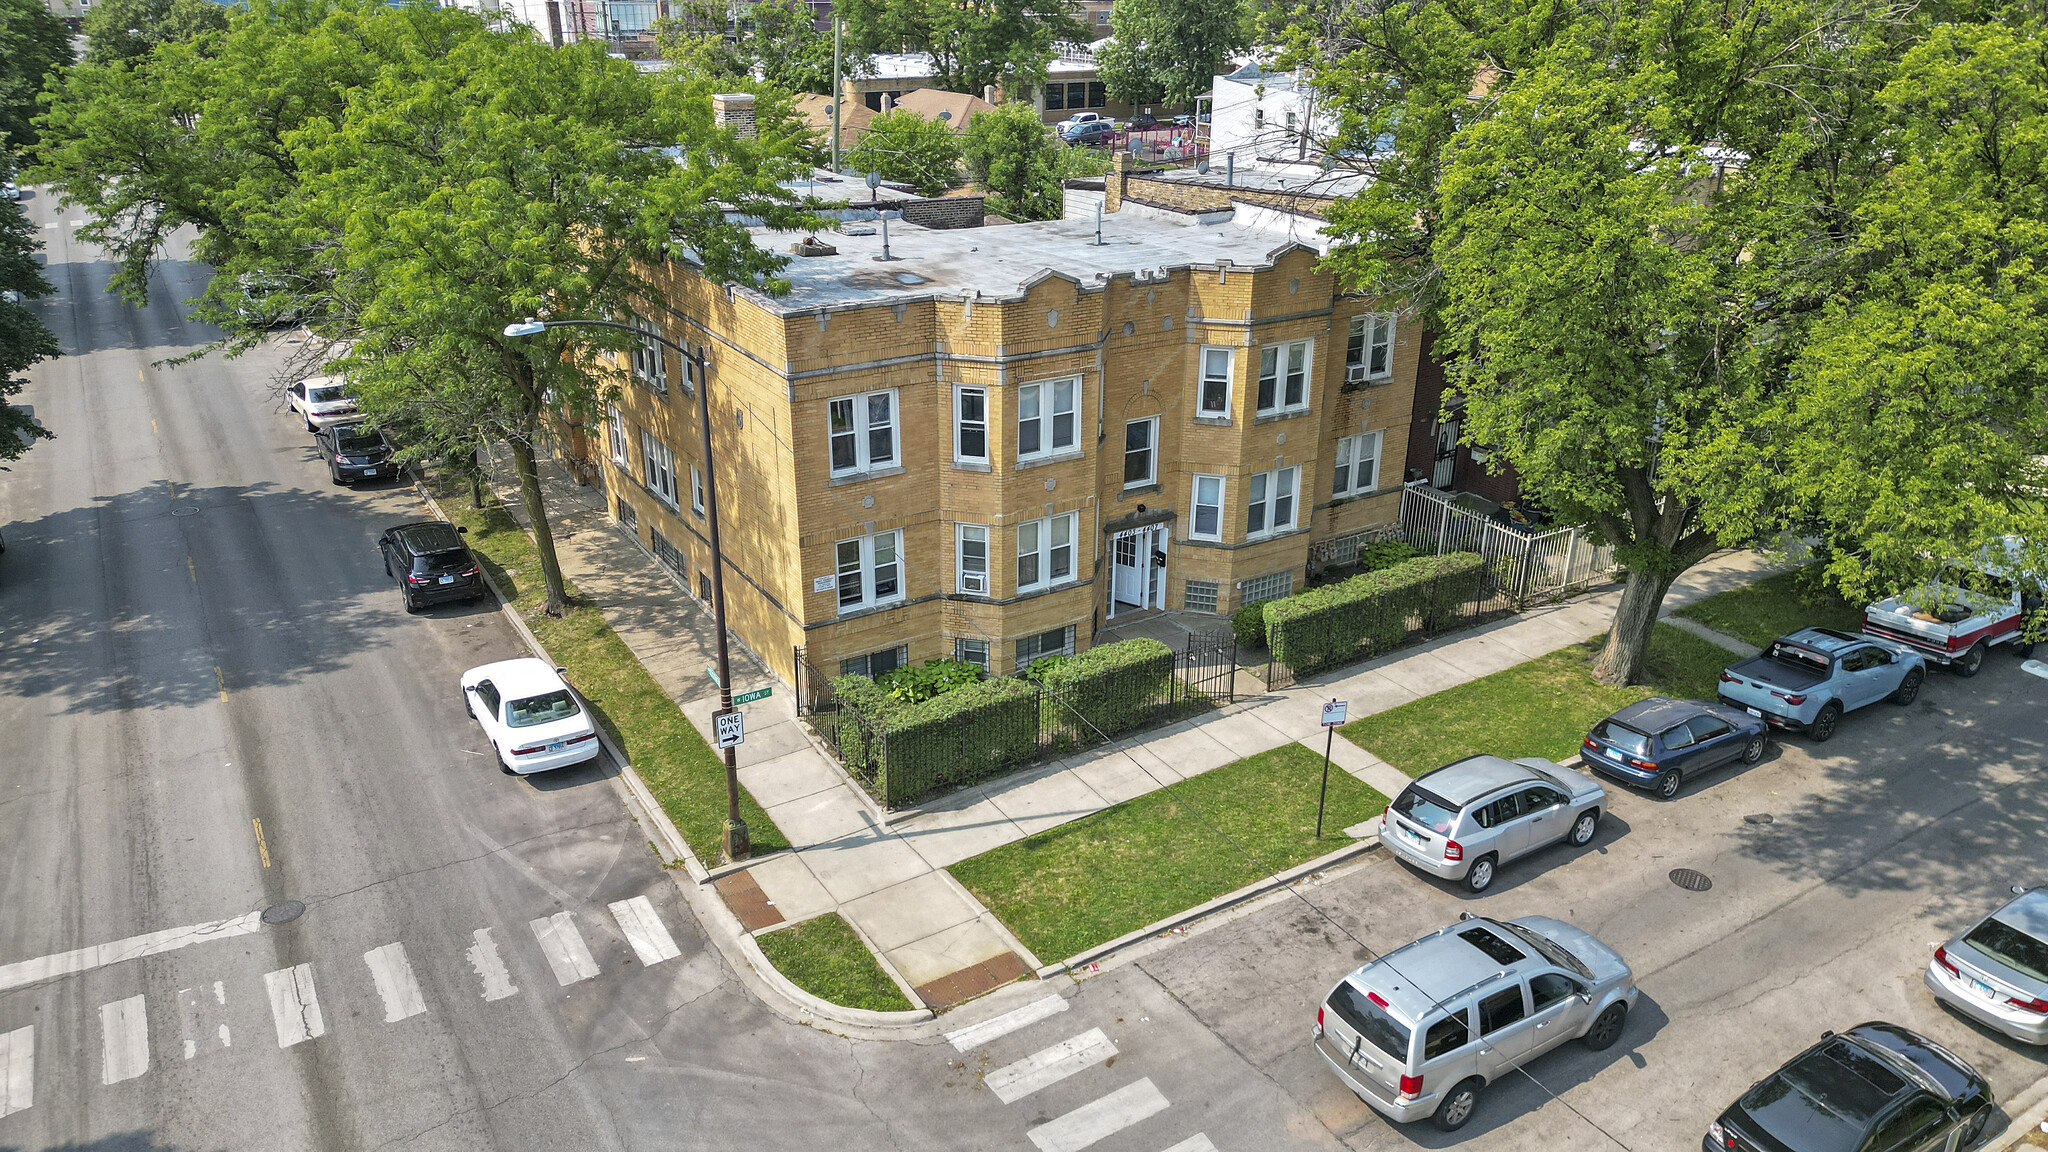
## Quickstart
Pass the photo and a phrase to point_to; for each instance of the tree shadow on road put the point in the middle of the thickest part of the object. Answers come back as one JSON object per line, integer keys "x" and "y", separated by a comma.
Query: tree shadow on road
{"x": 118, "y": 1142}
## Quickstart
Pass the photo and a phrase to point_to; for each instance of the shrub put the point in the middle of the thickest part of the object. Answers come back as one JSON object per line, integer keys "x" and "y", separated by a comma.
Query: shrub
{"x": 1383, "y": 554}
{"x": 968, "y": 734}
{"x": 1371, "y": 612}
{"x": 1042, "y": 665}
{"x": 937, "y": 677}
{"x": 1248, "y": 624}
{"x": 1113, "y": 688}
{"x": 864, "y": 710}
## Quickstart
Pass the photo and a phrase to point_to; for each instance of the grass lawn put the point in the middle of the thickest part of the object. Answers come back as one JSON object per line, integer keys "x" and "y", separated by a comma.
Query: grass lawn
{"x": 822, "y": 956}
{"x": 1761, "y": 612}
{"x": 1543, "y": 707}
{"x": 1094, "y": 879}
{"x": 683, "y": 771}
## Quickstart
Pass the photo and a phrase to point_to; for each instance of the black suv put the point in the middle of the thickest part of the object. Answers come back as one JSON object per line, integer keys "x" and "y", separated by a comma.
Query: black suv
{"x": 1875, "y": 1088}
{"x": 431, "y": 564}
{"x": 356, "y": 452}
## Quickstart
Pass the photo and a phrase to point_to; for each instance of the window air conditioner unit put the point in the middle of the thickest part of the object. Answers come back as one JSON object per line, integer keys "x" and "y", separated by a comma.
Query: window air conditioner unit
{"x": 1354, "y": 373}
{"x": 974, "y": 582}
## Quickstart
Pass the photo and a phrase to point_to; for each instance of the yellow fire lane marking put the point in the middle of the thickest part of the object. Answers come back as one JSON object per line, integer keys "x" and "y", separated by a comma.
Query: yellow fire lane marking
{"x": 262, "y": 847}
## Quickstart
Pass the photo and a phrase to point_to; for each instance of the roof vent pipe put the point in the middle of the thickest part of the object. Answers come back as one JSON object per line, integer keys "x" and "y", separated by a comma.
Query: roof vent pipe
{"x": 1230, "y": 169}
{"x": 1098, "y": 223}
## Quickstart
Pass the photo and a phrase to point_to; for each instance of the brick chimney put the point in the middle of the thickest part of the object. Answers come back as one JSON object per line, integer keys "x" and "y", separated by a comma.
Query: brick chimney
{"x": 734, "y": 111}
{"x": 1113, "y": 186}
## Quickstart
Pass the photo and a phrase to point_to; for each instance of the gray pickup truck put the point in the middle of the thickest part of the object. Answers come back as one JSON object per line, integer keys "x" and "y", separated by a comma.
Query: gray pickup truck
{"x": 1808, "y": 679}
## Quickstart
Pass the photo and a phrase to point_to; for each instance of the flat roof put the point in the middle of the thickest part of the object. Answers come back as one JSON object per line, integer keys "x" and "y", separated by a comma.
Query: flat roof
{"x": 1307, "y": 179}
{"x": 1003, "y": 260}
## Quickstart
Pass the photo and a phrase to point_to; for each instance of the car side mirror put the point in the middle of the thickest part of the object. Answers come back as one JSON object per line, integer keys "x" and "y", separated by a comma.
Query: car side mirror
{"x": 462, "y": 529}
{"x": 1464, "y": 916}
{"x": 469, "y": 687}
{"x": 561, "y": 671}
{"x": 2020, "y": 889}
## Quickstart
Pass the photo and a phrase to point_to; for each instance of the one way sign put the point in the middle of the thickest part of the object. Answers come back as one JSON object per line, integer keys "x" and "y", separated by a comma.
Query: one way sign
{"x": 731, "y": 727}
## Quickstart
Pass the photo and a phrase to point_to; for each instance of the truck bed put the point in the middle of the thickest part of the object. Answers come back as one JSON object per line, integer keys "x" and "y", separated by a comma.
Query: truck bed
{"x": 1789, "y": 675}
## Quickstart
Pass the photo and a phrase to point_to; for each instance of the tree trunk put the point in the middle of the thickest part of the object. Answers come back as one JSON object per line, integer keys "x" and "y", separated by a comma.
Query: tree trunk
{"x": 476, "y": 479}
{"x": 537, "y": 515}
{"x": 1628, "y": 642}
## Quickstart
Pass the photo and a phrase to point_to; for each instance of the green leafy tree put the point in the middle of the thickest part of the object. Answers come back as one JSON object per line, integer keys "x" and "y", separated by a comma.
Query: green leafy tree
{"x": 775, "y": 39}
{"x": 1016, "y": 160}
{"x": 906, "y": 147}
{"x": 35, "y": 49}
{"x": 1169, "y": 51}
{"x": 973, "y": 43}
{"x": 24, "y": 339}
{"x": 126, "y": 29}
{"x": 701, "y": 37}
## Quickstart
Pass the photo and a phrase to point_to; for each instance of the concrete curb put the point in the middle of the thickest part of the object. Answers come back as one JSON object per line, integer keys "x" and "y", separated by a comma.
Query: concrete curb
{"x": 2029, "y": 1111}
{"x": 724, "y": 929}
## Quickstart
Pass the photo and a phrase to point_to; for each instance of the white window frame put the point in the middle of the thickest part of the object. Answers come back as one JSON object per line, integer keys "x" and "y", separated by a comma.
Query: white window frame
{"x": 862, "y": 568}
{"x": 963, "y": 654}
{"x": 648, "y": 358}
{"x": 1279, "y": 374}
{"x": 962, "y": 425}
{"x": 1036, "y": 543}
{"x": 1371, "y": 333}
{"x": 1151, "y": 450}
{"x": 1267, "y": 493}
{"x": 862, "y": 427}
{"x": 1348, "y": 478}
{"x": 1204, "y": 378}
{"x": 967, "y": 580}
{"x": 696, "y": 490}
{"x": 615, "y": 432}
{"x": 658, "y": 468}
{"x": 1042, "y": 396}
{"x": 1196, "y": 505}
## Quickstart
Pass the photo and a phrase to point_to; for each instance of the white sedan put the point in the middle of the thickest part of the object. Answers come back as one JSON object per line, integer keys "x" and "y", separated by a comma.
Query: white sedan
{"x": 533, "y": 719}
{"x": 322, "y": 401}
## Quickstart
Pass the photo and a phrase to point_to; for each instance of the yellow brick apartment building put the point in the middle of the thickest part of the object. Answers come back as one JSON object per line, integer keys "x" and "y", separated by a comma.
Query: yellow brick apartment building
{"x": 1001, "y": 440}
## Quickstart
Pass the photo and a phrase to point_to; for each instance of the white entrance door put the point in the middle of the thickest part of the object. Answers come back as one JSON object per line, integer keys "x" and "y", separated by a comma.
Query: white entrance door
{"x": 1129, "y": 559}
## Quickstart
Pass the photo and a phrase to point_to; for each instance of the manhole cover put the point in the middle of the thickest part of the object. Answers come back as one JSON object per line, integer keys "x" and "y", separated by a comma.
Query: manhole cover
{"x": 1758, "y": 818}
{"x": 289, "y": 910}
{"x": 1685, "y": 878}
{"x": 184, "y": 509}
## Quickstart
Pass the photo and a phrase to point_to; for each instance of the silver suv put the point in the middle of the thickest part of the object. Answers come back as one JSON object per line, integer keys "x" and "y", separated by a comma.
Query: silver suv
{"x": 1464, "y": 820}
{"x": 1420, "y": 1031}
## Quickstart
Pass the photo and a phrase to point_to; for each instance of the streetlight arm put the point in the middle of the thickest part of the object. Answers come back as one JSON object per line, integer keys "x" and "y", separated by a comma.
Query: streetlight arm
{"x": 532, "y": 327}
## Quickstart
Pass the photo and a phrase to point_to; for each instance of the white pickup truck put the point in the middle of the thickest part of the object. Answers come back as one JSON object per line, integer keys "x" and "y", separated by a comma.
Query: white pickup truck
{"x": 1956, "y": 618}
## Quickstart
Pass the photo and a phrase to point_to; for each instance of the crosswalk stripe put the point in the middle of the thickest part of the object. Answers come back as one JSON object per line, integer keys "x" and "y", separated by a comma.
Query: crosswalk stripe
{"x": 483, "y": 958}
{"x": 124, "y": 1040}
{"x": 294, "y": 1005}
{"x": 395, "y": 982}
{"x": 193, "y": 1014}
{"x": 975, "y": 1035}
{"x": 645, "y": 931}
{"x": 1196, "y": 1143}
{"x": 17, "y": 1070}
{"x": 566, "y": 952}
{"x": 1041, "y": 1069}
{"x": 1091, "y": 1122}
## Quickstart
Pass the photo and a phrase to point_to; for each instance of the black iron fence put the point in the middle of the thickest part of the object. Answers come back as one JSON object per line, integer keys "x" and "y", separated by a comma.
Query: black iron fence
{"x": 904, "y": 755}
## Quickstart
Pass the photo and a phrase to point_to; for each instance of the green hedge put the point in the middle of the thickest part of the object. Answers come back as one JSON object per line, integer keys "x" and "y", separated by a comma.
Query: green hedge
{"x": 1115, "y": 687}
{"x": 903, "y": 752}
{"x": 1248, "y": 624}
{"x": 1371, "y": 612}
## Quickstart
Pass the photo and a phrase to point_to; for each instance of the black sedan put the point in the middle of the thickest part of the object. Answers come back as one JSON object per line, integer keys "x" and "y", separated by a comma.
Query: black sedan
{"x": 1875, "y": 1088}
{"x": 356, "y": 452}
{"x": 431, "y": 564}
{"x": 1660, "y": 743}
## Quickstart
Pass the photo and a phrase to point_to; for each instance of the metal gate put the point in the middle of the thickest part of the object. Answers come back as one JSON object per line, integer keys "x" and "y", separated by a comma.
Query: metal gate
{"x": 1209, "y": 666}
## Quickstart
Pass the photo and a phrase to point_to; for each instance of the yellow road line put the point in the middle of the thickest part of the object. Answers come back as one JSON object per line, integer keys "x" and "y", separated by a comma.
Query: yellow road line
{"x": 222, "y": 681}
{"x": 262, "y": 847}
{"x": 194, "y": 573}
{"x": 153, "y": 428}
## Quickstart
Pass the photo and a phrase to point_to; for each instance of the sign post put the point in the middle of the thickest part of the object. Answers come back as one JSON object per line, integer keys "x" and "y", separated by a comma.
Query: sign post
{"x": 731, "y": 726}
{"x": 1333, "y": 715}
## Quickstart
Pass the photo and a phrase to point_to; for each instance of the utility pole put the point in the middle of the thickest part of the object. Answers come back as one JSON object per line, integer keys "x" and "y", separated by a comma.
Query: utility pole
{"x": 835, "y": 90}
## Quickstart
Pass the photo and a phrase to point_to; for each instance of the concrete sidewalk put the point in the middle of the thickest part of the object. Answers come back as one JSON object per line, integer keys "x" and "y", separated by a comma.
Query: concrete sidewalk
{"x": 885, "y": 872}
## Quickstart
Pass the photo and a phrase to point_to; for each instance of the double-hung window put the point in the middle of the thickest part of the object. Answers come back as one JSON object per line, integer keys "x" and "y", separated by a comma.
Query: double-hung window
{"x": 1269, "y": 507}
{"x": 1141, "y": 451}
{"x": 970, "y": 542}
{"x": 1048, "y": 418}
{"x": 1283, "y": 377}
{"x": 1058, "y": 642}
{"x": 1369, "y": 355}
{"x": 615, "y": 435}
{"x": 1207, "y": 523}
{"x": 696, "y": 490}
{"x": 863, "y": 430}
{"x": 650, "y": 363}
{"x": 971, "y": 651}
{"x": 1214, "y": 395}
{"x": 870, "y": 571}
{"x": 1045, "y": 551}
{"x": 970, "y": 425}
{"x": 658, "y": 468}
{"x": 1358, "y": 465}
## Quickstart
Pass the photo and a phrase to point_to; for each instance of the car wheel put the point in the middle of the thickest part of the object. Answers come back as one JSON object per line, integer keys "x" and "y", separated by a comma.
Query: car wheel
{"x": 1972, "y": 661}
{"x": 1458, "y": 1104}
{"x": 1668, "y": 784}
{"x": 1823, "y": 726}
{"x": 1583, "y": 828}
{"x": 1754, "y": 750}
{"x": 1479, "y": 877}
{"x": 387, "y": 565}
{"x": 506, "y": 768}
{"x": 1908, "y": 688}
{"x": 309, "y": 425}
{"x": 1606, "y": 1028}
{"x": 407, "y": 601}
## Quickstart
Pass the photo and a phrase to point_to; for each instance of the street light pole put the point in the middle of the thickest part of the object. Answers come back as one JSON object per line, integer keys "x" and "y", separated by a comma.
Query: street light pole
{"x": 736, "y": 844}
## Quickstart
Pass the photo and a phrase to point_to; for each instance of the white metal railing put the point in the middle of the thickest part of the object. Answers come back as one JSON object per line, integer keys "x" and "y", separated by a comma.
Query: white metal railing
{"x": 1525, "y": 565}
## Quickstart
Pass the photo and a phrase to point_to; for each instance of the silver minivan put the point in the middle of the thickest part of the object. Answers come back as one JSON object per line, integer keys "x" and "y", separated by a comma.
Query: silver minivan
{"x": 1466, "y": 819}
{"x": 1421, "y": 1031}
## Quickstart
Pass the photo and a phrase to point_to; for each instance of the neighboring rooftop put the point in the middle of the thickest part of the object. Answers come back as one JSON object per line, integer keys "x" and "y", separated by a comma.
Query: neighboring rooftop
{"x": 817, "y": 115}
{"x": 953, "y": 109}
{"x": 1306, "y": 179}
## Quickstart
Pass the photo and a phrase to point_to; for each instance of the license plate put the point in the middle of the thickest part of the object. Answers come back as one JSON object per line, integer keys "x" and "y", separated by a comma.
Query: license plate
{"x": 447, "y": 579}
{"x": 1413, "y": 837}
{"x": 558, "y": 745}
{"x": 1757, "y": 712}
{"x": 1983, "y": 989}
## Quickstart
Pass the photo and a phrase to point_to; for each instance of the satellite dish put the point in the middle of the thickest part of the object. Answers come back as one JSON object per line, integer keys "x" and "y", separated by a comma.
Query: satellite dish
{"x": 874, "y": 181}
{"x": 945, "y": 113}
{"x": 1202, "y": 168}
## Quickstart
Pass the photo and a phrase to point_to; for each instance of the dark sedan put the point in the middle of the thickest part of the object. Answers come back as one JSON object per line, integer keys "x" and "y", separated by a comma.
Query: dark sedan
{"x": 356, "y": 452}
{"x": 1875, "y": 1088}
{"x": 431, "y": 564}
{"x": 1660, "y": 743}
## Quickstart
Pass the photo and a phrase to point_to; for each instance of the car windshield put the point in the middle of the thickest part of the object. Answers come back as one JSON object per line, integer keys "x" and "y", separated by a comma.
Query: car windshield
{"x": 1552, "y": 951}
{"x": 1370, "y": 1021}
{"x": 356, "y": 441}
{"x": 2010, "y": 947}
{"x": 451, "y": 561}
{"x": 326, "y": 394}
{"x": 1435, "y": 814}
{"x": 1623, "y": 738}
{"x": 543, "y": 709}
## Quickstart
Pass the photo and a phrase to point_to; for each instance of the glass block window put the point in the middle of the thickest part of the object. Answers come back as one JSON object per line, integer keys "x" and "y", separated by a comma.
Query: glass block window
{"x": 1199, "y": 596}
{"x": 1270, "y": 587}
